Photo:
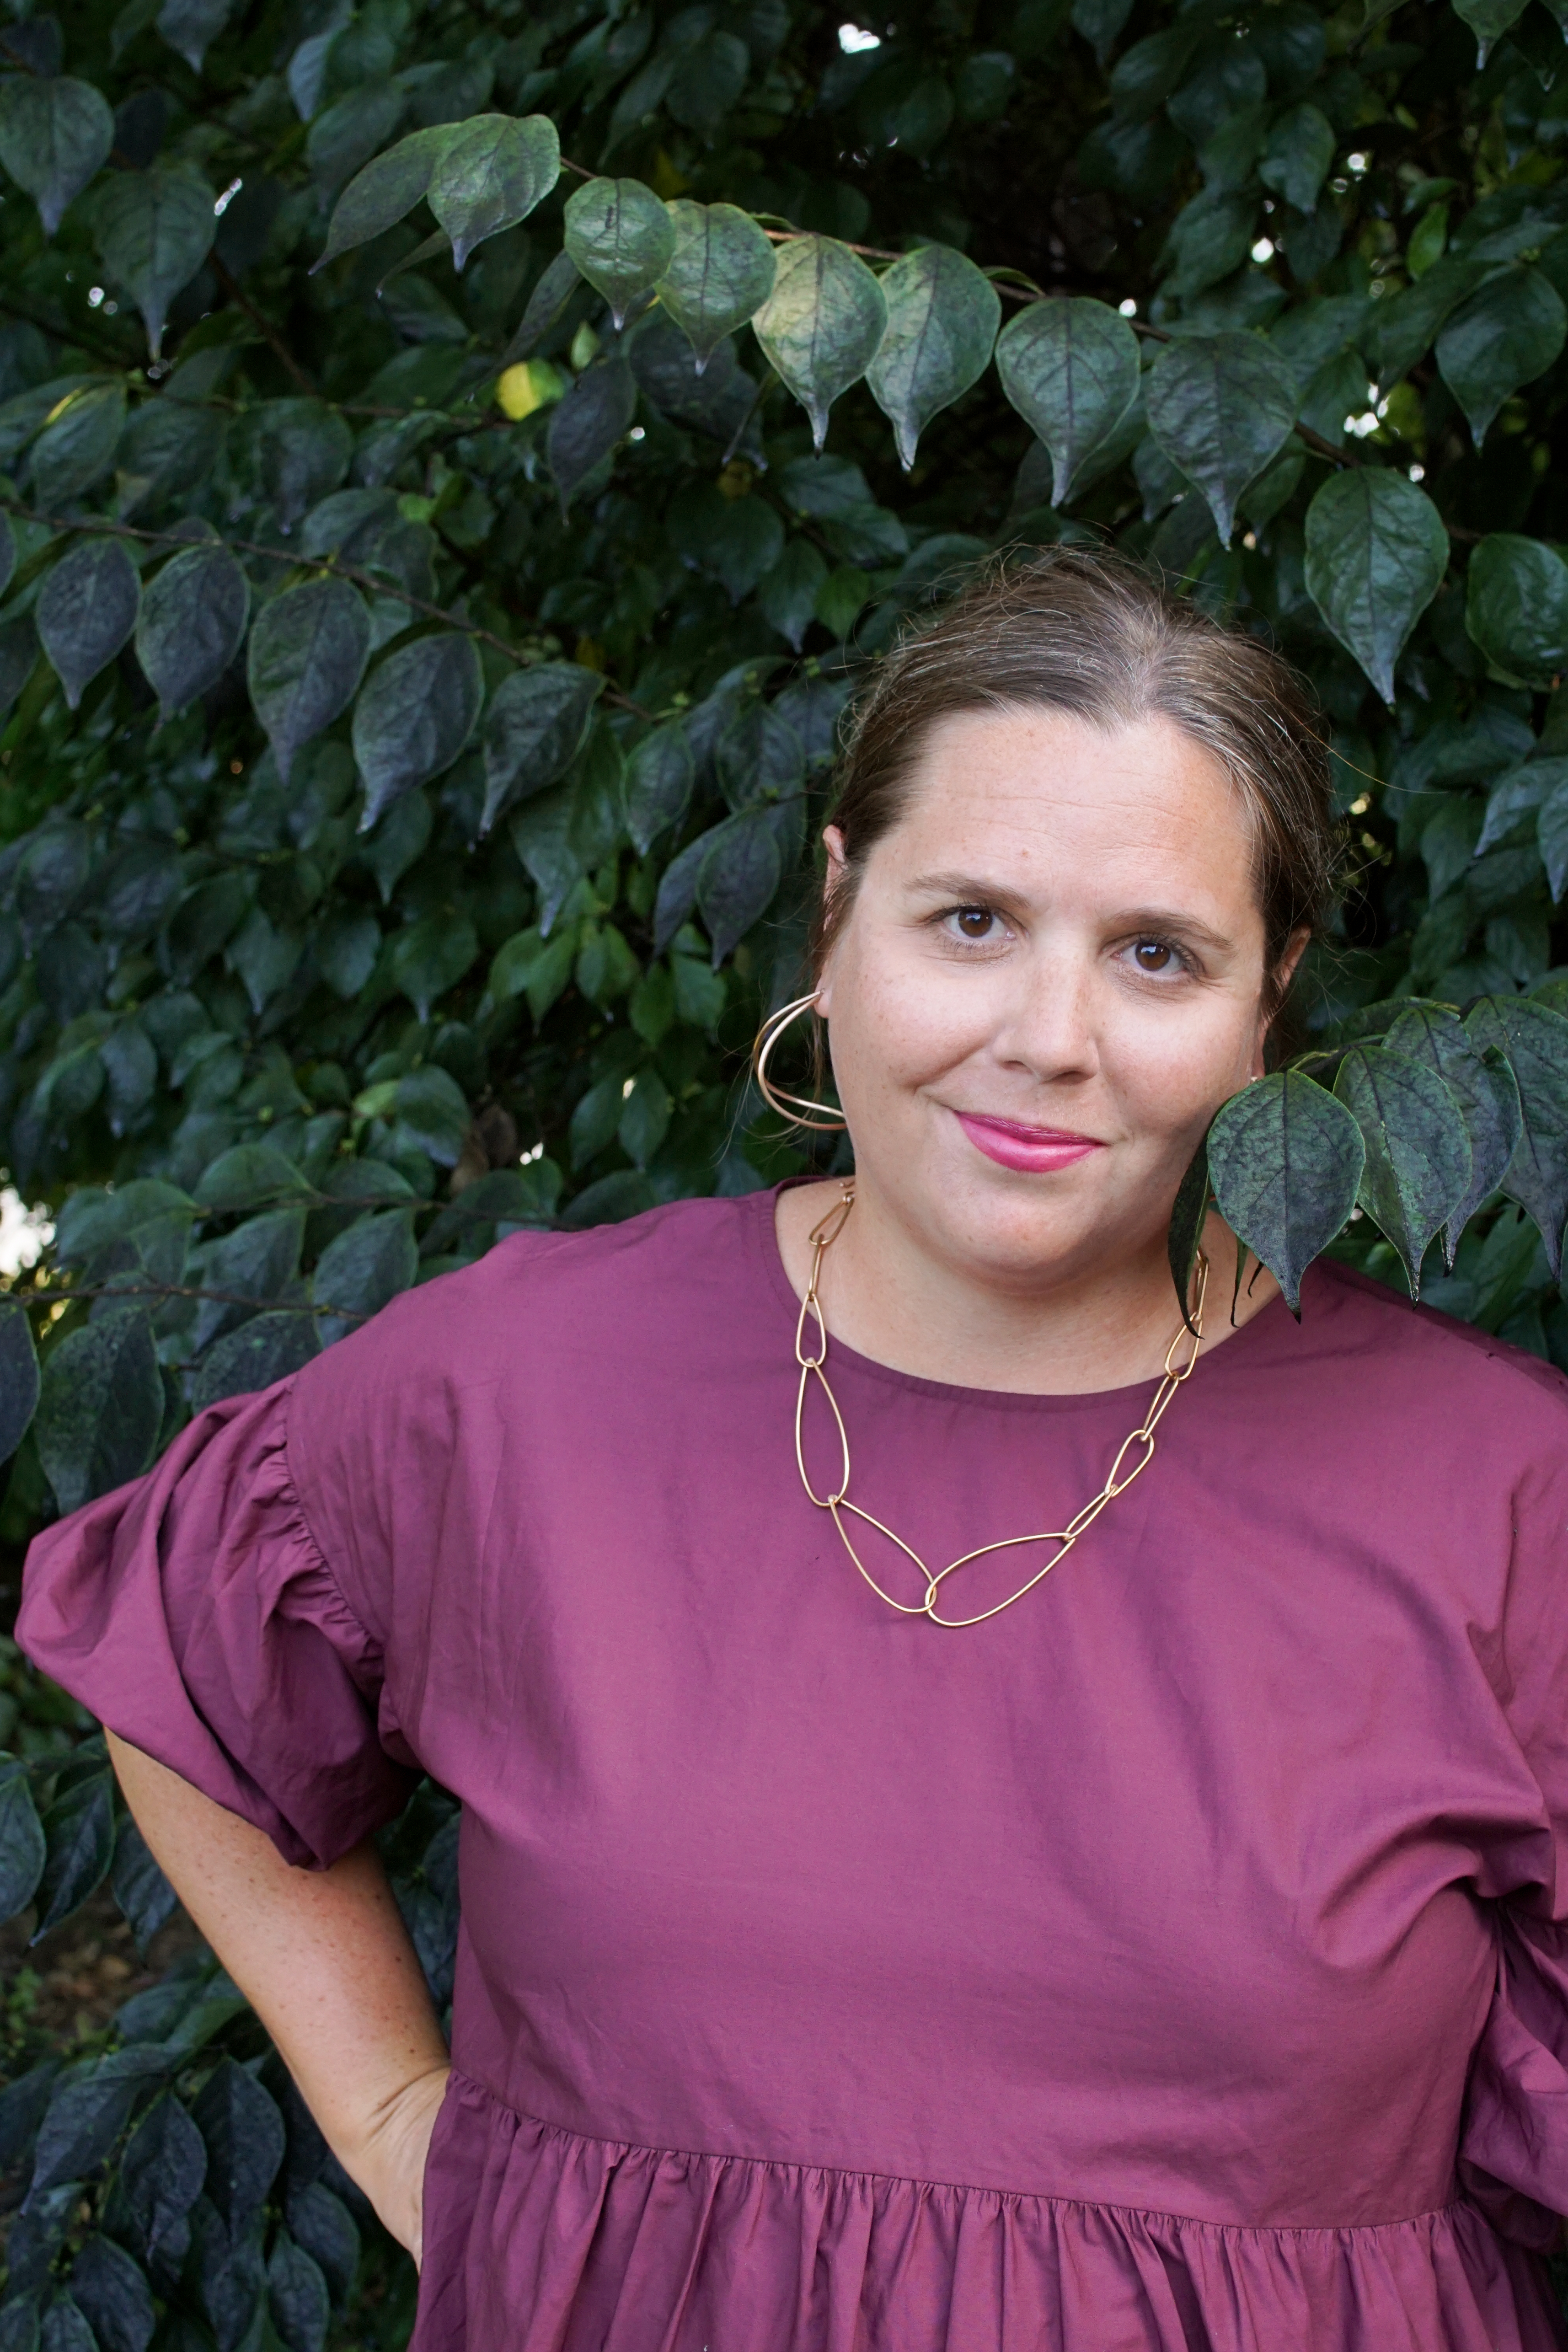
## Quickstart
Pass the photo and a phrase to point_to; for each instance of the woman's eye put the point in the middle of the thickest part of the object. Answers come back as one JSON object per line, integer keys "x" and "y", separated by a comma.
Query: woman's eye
{"x": 973, "y": 922}
{"x": 1156, "y": 957}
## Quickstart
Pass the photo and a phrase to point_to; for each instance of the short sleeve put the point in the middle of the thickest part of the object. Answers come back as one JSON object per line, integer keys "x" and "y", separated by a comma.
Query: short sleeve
{"x": 1513, "y": 2151}
{"x": 194, "y": 1614}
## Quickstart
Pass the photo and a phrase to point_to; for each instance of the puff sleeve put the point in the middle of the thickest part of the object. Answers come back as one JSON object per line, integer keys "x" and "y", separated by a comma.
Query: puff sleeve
{"x": 1513, "y": 2150}
{"x": 195, "y": 1615}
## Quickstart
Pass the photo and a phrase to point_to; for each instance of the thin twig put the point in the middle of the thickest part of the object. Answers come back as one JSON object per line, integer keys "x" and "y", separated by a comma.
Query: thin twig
{"x": 236, "y": 293}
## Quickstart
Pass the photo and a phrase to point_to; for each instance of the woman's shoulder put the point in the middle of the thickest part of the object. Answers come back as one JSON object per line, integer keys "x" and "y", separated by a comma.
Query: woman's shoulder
{"x": 536, "y": 1297}
{"x": 1397, "y": 1357}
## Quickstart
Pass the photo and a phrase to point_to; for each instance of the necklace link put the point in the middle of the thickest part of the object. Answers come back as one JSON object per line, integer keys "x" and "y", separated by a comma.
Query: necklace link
{"x": 1178, "y": 1367}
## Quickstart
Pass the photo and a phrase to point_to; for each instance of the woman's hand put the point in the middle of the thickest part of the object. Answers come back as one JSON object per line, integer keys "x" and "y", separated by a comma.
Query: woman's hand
{"x": 389, "y": 2164}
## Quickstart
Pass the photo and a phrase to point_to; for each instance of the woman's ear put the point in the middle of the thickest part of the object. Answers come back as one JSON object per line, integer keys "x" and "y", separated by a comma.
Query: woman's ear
{"x": 833, "y": 882}
{"x": 1285, "y": 972}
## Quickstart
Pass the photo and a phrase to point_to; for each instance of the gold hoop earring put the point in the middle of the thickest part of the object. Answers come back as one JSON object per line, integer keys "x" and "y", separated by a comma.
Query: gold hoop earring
{"x": 798, "y": 1110}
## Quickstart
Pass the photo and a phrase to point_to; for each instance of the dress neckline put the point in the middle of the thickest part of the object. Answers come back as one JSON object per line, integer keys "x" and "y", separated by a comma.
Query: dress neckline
{"x": 764, "y": 1232}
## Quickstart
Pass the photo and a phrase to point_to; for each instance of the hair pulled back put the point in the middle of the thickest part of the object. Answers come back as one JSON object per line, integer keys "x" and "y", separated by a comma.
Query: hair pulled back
{"x": 1084, "y": 632}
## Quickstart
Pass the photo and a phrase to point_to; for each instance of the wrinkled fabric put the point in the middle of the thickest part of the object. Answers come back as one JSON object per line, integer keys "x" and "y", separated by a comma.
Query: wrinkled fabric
{"x": 1178, "y": 1963}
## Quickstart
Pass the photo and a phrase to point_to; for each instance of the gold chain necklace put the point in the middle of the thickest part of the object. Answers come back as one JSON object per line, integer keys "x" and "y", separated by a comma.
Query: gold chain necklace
{"x": 812, "y": 1368}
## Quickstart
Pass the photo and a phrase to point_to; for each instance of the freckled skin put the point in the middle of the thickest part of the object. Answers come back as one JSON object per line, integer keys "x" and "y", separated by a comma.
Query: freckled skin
{"x": 1063, "y": 930}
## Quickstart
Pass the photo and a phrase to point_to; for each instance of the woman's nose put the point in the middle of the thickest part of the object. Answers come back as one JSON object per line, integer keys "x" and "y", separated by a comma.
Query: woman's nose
{"x": 1047, "y": 1024}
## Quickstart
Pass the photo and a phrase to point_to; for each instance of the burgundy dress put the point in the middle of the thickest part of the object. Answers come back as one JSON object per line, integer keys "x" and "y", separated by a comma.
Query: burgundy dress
{"x": 1175, "y": 1963}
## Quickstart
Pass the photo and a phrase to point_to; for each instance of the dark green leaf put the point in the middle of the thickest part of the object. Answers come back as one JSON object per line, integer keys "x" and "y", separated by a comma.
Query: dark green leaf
{"x": 253, "y": 1175}
{"x": 586, "y": 427}
{"x": 533, "y": 730}
{"x": 296, "y": 2296}
{"x": 113, "y": 2296}
{"x": 1419, "y": 1165}
{"x": 192, "y": 25}
{"x": 1069, "y": 367}
{"x": 65, "y": 2329}
{"x": 545, "y": 308}
{"x": 147, "y": 1901}
{"x": 191, "y": 624}
{"x": 1508, "y": 333}
{"x": 21, "y": 1848}
{"x": 821, "y": 325}
{"x": 658, "y": 785}
{"x": 77, "y": 447}
{"x": 1285, "y": 1160}
{"x": 255, "y": 1263}
{"x": 101, "y": 1408}
{"x": 719, "y": 274}
{"x": 154, "y": 236}
{"x": 162, "y": 2171}
{"x": 415, "y": 712}
{"x": 490, "y": 176}
{"x": 1376, "y": 553}
{"x": 300, "y": 449}
{"x": 323, "y": 2225}
{"x": 1533, "y": 1041}
{"x": 18, "y": 656}
{"x": 620, "y": 237}
{"x": 1516, "y": 608}
{"x": 88, "y": 2110}
{"x": 709, "y": 76}
{"x": 22, "y": 2104}
{"x": 942, "y": 319}
{"x": 362, "y": 1270}
{"x": 1221, "y": 407}
{"x": 18, "y": 1378}
{"x": 790, "y": 594}
{"x": 432, "y": 956}
{"x": 1298, "y": 154}
{"x": 738, "y": 878}
{"x": 265, "y": 1349}
{"x": 307, "y": 654}
{"x": 346, "y": 952}
{"x": 377, "y": 197}
{"x": 86, "y": 609}
{"x": 55, "y": 135}
{"x": 431, "y": 1105}
{"x": 1483, "y": 1086}
{"x": 243, "y": 2131}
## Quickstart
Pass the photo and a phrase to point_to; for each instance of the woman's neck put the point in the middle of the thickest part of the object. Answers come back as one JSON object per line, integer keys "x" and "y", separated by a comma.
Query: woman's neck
{"x": 889, "y": 1299}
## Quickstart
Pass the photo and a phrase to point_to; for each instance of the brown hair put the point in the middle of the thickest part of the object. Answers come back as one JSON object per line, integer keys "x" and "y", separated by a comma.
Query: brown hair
{"x": 1085, "y": 631}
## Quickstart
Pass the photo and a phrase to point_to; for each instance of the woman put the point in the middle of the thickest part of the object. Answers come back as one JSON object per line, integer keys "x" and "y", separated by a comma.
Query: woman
{"x": 1169, "y": 1957}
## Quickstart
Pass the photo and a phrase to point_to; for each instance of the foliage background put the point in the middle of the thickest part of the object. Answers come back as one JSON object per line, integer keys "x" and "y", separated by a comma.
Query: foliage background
{"x": 281, "y": 1034}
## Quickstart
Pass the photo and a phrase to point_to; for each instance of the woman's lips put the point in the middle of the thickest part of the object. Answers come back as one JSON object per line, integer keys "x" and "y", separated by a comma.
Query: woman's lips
{"x": 1036, "y": 1150}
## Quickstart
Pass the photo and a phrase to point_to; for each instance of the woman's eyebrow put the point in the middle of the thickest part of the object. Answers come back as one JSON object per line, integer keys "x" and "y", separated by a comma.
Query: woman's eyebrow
{"x": 974, "y": 889}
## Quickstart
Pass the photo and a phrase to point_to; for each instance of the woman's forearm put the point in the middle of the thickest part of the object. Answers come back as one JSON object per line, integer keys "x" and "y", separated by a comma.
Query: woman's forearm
{"x": 324, "y": 1958}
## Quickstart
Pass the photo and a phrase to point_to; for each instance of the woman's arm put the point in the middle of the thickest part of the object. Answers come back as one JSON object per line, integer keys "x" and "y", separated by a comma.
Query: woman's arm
{"x": 324, "y": 1958}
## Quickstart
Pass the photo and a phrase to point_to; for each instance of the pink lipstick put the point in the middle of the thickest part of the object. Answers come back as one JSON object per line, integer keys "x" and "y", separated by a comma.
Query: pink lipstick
{"x": 1034, "y": 1150}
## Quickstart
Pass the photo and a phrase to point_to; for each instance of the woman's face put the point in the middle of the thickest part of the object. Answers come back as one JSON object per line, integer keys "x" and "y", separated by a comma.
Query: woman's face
{"x": 1052, "y": 975}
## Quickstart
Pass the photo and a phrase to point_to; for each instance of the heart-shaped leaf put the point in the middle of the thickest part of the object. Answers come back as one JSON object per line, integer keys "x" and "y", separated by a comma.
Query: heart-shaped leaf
{"x": 719, "y": 274}
{"x": 1508, "y": 333}
{"x": 490, "y": 174}
{"x": 1533, "y": 1040}
{"x": 1419, "y": 1165}
{"x": 191, "y": 624}
{"x": 415, "y": 712}
{"x": 1516, "y": 607}
{"x": 821, "y": 326}
{"x": 154, "y": 236}
{"x": 307, "y": 654}
{"x": 85, "y": 609}
{"x": 1483, "y": 1086}
{"x": 377, "y": 197}
{"x": 1376, "y": 553}
{"x": 1222, "y": 406}
{"x": 1069, "y": 367}
{"x": 55, "y": 136}
{"x": 621, "y": 238}
{"x": 942, "y": 319}
{"x": 1285, "y": 1160}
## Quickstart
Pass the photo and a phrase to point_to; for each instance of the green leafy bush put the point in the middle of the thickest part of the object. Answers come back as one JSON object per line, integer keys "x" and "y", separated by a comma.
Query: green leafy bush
{"x": 453, "y": 465}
